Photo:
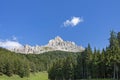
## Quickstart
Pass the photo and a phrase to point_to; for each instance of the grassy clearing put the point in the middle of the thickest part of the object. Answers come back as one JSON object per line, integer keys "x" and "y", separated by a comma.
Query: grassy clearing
{"x": 36, "y": 76}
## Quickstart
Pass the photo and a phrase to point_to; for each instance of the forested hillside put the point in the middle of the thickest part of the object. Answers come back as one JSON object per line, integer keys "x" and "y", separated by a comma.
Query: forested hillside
{"x": 42, "y": 62}
{"x": 12, "y": 63}
{"x": 23, "y": 64}
{"x": 90, "y": 64}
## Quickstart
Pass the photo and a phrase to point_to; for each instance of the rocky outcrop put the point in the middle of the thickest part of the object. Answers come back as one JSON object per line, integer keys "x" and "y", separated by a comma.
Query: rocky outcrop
{"x": 55, "y": 44}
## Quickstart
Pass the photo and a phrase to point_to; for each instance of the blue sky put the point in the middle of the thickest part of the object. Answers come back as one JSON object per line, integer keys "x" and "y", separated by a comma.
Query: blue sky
{"x": 37, "y": 21}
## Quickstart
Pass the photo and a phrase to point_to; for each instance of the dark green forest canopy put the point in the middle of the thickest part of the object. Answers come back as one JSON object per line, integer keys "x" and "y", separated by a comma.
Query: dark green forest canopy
{"x": 22, "y": 64}
{"x": 12, "y": 63}
{"x": 45, "y": 60}
{"x": 91, "y": 64}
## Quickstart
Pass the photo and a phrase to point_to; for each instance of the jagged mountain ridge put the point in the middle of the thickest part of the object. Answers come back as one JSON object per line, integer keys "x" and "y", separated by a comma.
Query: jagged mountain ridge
{"x": 55, "y": 44}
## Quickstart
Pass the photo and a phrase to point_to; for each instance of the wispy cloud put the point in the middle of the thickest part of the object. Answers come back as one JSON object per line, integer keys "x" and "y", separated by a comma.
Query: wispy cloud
{"x": 74, "y": 21}
{"x": 10, "y": 44}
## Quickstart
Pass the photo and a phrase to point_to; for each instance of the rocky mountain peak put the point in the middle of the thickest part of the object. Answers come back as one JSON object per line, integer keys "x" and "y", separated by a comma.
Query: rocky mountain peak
{"x": 54, "y": 44}
{"x": 58, "y": 38}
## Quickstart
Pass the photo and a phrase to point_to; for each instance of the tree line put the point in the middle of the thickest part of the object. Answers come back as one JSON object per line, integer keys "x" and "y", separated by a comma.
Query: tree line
{"x": 12, "y": 63}
{"x": 90, "y": 64}
{"x": 23, "y": 64}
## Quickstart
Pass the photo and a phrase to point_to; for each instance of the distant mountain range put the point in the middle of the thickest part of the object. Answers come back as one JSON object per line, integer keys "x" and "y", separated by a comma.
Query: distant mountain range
{"x": 55, "y": 44}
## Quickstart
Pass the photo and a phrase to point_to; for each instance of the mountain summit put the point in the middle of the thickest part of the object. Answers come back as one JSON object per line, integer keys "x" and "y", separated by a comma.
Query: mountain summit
{"x": 54, "y": 44}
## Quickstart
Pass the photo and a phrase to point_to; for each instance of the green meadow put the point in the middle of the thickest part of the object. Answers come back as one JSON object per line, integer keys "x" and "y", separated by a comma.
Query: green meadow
{"x": 36, "y": 76}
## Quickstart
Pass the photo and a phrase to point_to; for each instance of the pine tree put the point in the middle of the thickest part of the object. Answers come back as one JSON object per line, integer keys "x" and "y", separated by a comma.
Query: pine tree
{"x": 114, "y": 47}
{"x": 88, "y": 52}
{"x": 68, "y": 68}
{"x": 118, "y": 37}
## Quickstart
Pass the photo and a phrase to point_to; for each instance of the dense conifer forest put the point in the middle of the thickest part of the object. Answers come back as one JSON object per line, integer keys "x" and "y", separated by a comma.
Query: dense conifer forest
{"x": 90, "y": 64}
{"x": 12, "y": 63}
{"x": 66, "y": 65}
{"x": 22, "y": 64}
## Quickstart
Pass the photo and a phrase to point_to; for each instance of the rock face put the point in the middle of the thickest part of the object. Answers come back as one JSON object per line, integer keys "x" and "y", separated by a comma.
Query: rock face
{"x": 55, "y": 44}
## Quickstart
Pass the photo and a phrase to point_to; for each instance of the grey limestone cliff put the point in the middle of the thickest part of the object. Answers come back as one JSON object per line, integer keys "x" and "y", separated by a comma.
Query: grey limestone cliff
{"x": 55, "y": 44}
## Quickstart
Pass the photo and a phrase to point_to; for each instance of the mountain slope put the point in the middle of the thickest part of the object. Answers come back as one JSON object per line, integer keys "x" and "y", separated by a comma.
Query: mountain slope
{"x": 55, "y": 44}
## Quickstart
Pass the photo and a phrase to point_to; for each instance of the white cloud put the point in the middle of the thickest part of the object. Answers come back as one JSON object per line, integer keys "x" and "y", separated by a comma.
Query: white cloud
{"x": 8, "y": 44}
{"x": 73, "y": 21}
